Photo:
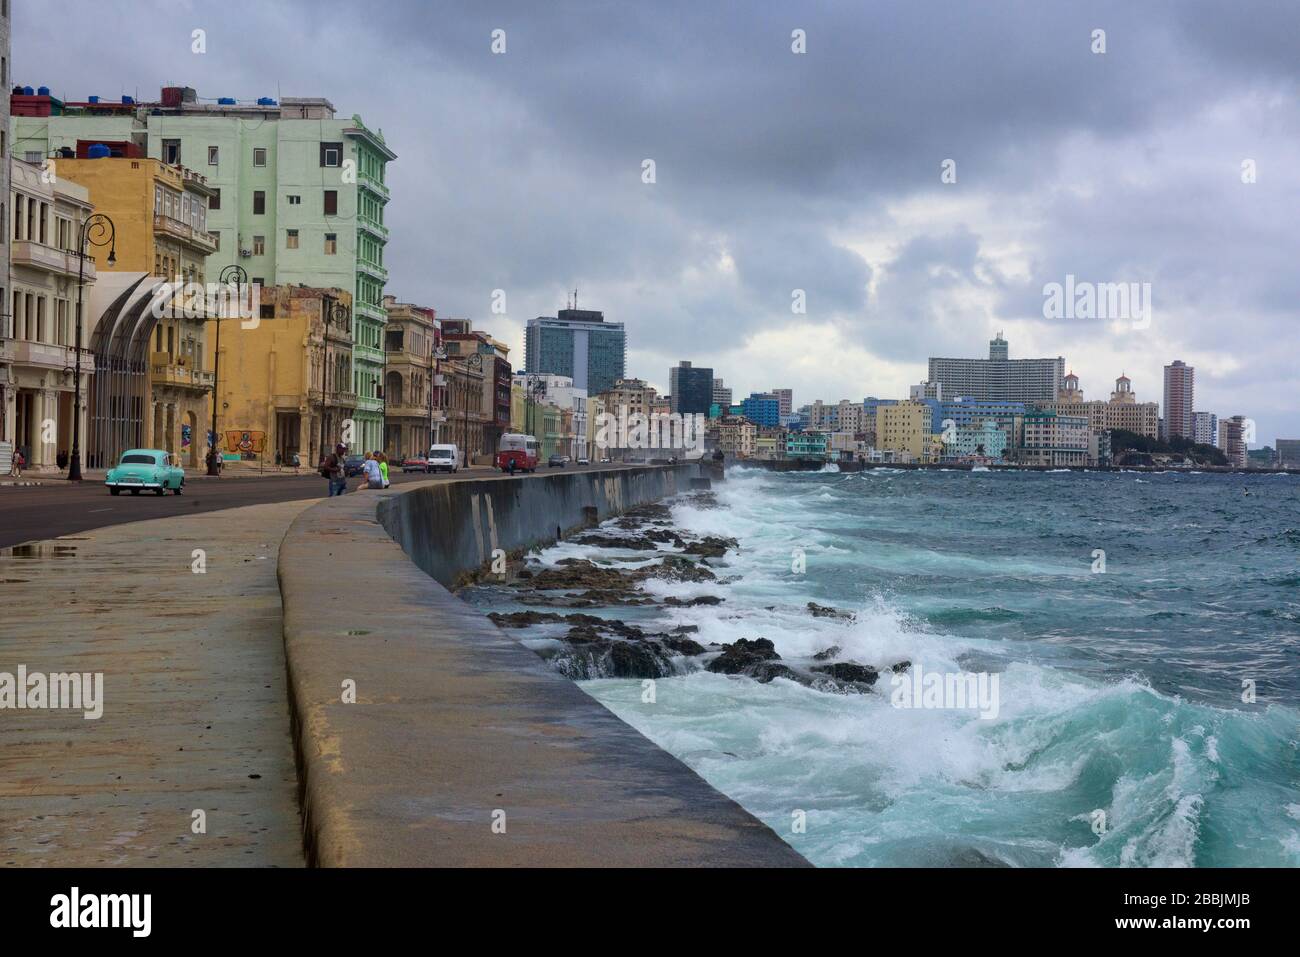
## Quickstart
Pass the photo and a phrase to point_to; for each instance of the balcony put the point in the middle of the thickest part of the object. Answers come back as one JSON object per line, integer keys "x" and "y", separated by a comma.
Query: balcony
{"x": 174, "y": 228}
{"x": 43, "y": 355}
{"x": 346, "y": 400}
{"x": 39, "y": 256}
{"x": 373, "y": 270}
{"x": 380, "y": 232}
{"x": 406, "y": 411}
{"x": 372, "y": 184}
{"x": 165, "y": 369}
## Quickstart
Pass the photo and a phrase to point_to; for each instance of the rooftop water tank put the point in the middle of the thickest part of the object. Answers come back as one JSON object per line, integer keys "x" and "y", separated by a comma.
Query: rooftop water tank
{"x": 94, "y": 99}
{"x": 28, "y": 91}
{"x": 42, "y": 91}
{"x": 128, "y": 100}
{"x": 98, "y": 151}
{"x": 226, "y": 101}
{"x": 265, "y": 101}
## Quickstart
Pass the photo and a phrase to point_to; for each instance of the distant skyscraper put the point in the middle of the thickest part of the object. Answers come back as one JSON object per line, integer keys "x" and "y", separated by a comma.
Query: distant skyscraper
{"x": 785, "y": 397}
{"x": 1232, "y": 439}
{"x": 1205, "y": 428}
{"x": 690, "y": 388}
{"x": 578, "y": 343}
{"x": 721, "y": 395}
{"x": 1179, "y": 399}
{"x": 998, "y": 378}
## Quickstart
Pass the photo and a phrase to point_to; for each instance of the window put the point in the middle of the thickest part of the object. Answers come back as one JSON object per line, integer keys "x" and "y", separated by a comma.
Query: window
{"x": 215, "y": 201}
{"x": 331, "y": 154}
{"x": 331, "y": 202}
{"x": 331, "y": 244}
{"x": 213, "y": 155}
{"x": 259, "y": 245}
{"x": 34, "y": 157}
{"x": 259, "y": 202}
{"x": 294, "y": 200}
{"x": 157, "y": 200}
{"x": 291, "y": 239}
{"x": 259, "y": 156}
{"x": 171, "y": 152}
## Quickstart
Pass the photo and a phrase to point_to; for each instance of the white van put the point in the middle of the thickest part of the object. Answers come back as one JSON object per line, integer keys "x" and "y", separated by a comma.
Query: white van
{"x": 444, "y": 458}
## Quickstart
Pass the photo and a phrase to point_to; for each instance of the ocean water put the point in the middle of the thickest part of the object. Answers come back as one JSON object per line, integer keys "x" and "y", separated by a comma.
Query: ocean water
{"x": 1121, "y": 736}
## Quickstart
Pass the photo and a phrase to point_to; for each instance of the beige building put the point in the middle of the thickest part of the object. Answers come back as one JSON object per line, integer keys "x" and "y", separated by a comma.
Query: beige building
{"x": 906, "y": 427}
{"x": 286, "y": 383}
{"x": 411, "y": 407}
{"x": 737, "y": 437}
{"x": 1122, "y": 411}
{"x": 630, "y": 394}
{"x": 1055, "y": 439}
{"x": 38, "y": 335}
{"x": 1232, "y": 440}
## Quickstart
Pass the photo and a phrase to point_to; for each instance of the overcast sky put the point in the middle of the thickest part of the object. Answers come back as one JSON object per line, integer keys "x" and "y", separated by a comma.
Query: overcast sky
{"x": 778, "y": 171}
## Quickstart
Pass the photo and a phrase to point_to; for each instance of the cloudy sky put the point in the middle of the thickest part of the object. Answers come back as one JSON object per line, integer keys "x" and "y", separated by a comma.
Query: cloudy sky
{"x": 819, "y": 171}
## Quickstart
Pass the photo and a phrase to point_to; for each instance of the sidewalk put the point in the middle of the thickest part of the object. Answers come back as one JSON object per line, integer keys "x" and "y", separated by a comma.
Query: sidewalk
{"x": 195, "y": 713}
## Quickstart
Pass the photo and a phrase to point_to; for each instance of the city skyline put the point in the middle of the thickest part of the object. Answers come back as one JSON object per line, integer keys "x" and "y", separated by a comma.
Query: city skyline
{"x": 784, "y": 183}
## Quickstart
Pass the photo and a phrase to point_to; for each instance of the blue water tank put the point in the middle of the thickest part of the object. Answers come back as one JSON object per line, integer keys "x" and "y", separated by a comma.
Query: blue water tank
{"x": 42, "y": 91}
{"x": 98, "y": 151}
{"x": 28, "y": 91}
{"x": 128, "y": 100}
{"x": 265, "y": 101}
{"x": 94, "y": 99}
{"x": 226, "y": 101}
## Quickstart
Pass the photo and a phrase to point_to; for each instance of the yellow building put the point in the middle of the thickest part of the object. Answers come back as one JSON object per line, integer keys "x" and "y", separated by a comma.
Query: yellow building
{"x": 160, "y": 217}
{"x": 286, "y": 379}
{"x": 1122, "y": 411}
{"x": 907, "y": 427}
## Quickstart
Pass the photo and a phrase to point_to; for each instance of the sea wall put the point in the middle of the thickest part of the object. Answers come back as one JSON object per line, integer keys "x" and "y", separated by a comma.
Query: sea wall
{"x": 426, "y": 736}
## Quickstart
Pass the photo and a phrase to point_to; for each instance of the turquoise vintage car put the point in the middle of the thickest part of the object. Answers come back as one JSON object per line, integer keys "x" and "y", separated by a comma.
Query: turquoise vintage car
{"x": 141, "y": 469}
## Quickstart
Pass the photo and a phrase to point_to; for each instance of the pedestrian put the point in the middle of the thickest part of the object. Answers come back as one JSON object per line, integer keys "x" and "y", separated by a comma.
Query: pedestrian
{"x": 382, "y": 459}
{"x": 334, "y": 468}
{"x": 16, "y": 466}
{"x": 373, "y": 476}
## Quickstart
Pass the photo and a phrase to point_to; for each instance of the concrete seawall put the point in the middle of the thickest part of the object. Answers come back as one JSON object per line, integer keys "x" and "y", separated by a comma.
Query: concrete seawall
{"x": 462, "y": 747}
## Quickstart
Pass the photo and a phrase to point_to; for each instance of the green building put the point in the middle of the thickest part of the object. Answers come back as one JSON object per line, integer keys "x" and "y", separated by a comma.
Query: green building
{"x": 300, "y": 195}
{"x": 805, "y": 445}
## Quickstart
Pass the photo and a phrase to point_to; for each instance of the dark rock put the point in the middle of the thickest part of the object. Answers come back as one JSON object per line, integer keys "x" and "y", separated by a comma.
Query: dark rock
{"x": 685, "y": 630}
{"x": 825, "y": 611}
{"x": 599, "y": 540}
{"x": 522, "y": 619}
{"x": 711, "y": 546}
{"x": 692, "y": 602}
{"x": 675, "y": 568}
{"x": 683, "y": 646}
{"x": 831, "y": 652}
{"x": 900, "y": 667}
{"x": 849, "y": 671}
{"x": 742, "y": 656}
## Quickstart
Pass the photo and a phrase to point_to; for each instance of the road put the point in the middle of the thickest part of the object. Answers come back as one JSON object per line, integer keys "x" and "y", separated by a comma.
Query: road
{"x": 35, "y": 513}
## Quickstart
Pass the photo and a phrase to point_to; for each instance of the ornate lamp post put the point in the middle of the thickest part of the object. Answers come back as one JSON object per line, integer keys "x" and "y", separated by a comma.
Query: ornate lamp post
{"x": 341, "y": 316}
{"x": 438, "y": 354}
{"x": 97, "y": 230}
{"x": 232, "y": 275}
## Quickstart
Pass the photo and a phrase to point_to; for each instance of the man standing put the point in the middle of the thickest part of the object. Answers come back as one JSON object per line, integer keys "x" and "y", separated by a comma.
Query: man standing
{"x": 334, "y": 468}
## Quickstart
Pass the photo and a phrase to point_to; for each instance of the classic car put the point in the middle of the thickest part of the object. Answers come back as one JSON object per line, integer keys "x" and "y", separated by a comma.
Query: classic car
{"x": 141, "y": 469}
{"x": 415, "y": 463}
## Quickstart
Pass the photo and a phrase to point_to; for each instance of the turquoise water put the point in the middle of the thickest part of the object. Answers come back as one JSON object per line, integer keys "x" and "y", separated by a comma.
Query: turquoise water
{"x": 1121, "y": 736}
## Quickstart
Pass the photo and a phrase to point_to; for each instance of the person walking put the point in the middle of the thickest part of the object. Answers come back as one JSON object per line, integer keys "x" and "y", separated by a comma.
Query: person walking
{"x": 334, "y": 468}
{"x": 374, "y": 478}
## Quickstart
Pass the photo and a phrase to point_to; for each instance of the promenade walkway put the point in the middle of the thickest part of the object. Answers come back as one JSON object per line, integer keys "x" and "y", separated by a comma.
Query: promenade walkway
{"x": 195, "y": 714}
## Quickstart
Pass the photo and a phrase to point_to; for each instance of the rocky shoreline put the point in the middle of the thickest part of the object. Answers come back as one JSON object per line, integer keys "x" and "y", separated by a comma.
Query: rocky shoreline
{"x": 592, "y": 646}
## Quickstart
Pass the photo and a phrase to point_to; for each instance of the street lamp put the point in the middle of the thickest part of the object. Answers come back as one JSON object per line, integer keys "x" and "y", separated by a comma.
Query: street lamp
{"x": 341, "y": 316}
{"x": 236, "y": 275}
{"x": 97, "y": 230}
{"x": 438, "y": 354}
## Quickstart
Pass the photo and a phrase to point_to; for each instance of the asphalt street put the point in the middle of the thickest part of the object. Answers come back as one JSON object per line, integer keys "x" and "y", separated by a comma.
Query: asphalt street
{"x": 58, "y": 507}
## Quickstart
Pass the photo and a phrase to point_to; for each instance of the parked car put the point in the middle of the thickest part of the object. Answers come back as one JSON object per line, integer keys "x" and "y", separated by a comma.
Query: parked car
{"x": 140, "y": 469}
{"x": 583, "y": 460}
{"x": 353, "y": 465}
{"x": 444, "y": 458}
{"x": 416, "y": 463}
{"x": 558, "y": 461}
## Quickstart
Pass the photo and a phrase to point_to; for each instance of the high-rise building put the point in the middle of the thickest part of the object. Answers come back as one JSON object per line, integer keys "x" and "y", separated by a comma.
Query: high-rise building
{"x": 1121, "y": 411}
{"x": 1232, "y": 440}
{"x": 907, "y": 428}
{"x": 721, "y": 395}
{"x": 413, "y": 408}
{"x": 998, "y": 378}
{"x": 690, "y": 388}
{"x": 762, "y": 409}
{"x": 580, "y": 344}
{"x": 1205, "y": 428}
{"x": 1180, "y": 380}
{"x": 784, "y": 398}
{"x": 299, "y": 195}
{"x": 1288, "y": 452}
